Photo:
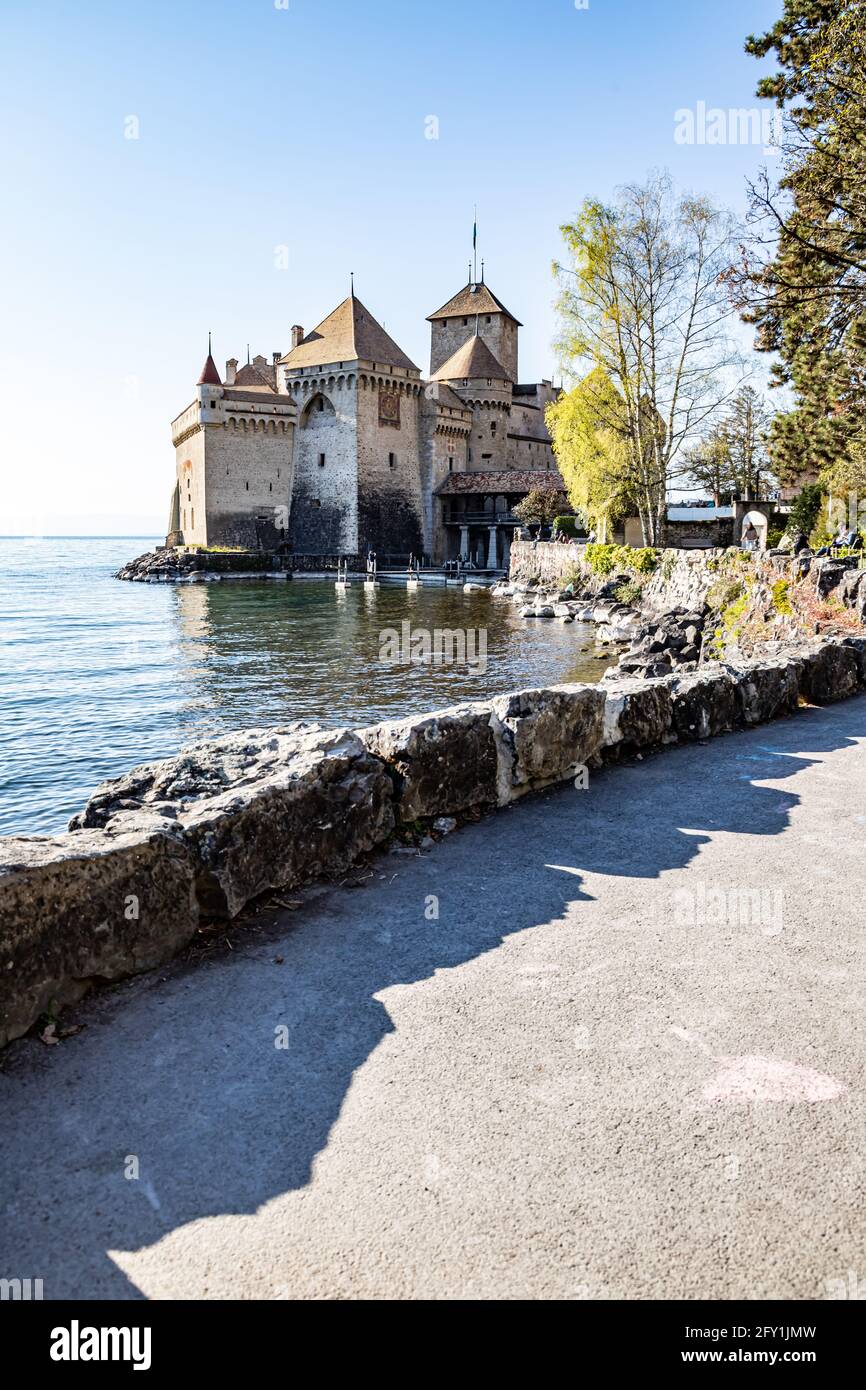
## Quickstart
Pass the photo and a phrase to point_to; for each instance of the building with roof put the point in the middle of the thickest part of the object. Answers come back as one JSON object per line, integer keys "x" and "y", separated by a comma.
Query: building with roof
{"x": 339, "y": 446}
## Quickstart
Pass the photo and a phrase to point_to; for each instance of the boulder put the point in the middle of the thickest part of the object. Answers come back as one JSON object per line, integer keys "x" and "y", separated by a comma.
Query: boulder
{"x": 440, "y": 763}
{"x": 852, "y": 591}
{"x": 704, "y": 704}
{"x": 87, "y": 906}
{"x": 543, "y": 735}
{"x": 637, "y": 713}
{"x": 269, "y": 808}
{"x": 830, "y": 671}
{"x": 766, "y": 689}
{"x": 829, "y": 573}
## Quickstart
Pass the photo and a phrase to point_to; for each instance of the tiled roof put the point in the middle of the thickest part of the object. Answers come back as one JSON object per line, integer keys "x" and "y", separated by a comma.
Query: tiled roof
{"x": 256, "y": 393}
{"x": 254, "y": 378}
{"x": 506, "y": 480}
{"x": 209, "y": 374}
{"x": 440, "y": 392}
{"x": 349, "y": 334}
{"x": 472, "y": 361}
{"x": 472, "y": 299}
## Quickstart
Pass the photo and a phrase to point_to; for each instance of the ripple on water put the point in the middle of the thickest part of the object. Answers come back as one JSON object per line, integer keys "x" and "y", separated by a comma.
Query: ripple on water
{"x": 99, "y": 675}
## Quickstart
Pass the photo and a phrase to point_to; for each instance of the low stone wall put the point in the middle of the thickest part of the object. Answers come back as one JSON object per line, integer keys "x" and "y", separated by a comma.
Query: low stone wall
{"x": 207, "y": 832}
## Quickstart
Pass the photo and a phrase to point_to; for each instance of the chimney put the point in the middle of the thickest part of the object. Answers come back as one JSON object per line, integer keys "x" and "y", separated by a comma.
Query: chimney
{"x": 231, "y": 371}
{"x": 297, "y": 334}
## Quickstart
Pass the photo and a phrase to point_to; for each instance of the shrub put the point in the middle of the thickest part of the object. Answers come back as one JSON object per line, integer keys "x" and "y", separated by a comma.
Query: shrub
{"x": 723, "y": 593}
{"x": 781, "y": 597}
{"x": 628, "y": 591}
{"x": 644, "y": 560}
{"x": 605, "y": 559}
{"x": 601, "y": 558}
{"x": 729, "y": 621}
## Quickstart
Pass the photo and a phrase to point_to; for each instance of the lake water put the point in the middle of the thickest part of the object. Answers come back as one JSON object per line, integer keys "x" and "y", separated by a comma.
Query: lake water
{"x": 98, "y": 675}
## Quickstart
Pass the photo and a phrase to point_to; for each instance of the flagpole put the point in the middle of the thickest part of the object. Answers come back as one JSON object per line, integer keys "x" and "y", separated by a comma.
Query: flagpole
{"x": 475, "y": 247}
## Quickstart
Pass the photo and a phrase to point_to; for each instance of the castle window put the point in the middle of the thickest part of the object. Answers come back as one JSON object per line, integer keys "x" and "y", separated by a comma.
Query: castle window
{"x": 465, "y": 321}
{"x": 492, "y": 426}
{"x": 192, "y": 515}
{"x": 270, "y": 487}
{"x": 392, "y": 459}
{"x": 321, "y": 403}
{"x": 450, "y": 465}
{"x": 488, "y": 318}
{"x": 321, "y": 460}
{"x": 247, "y": 486}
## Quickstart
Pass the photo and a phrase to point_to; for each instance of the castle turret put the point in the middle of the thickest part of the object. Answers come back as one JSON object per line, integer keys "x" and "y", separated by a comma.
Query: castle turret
{"x": 234, "y": 453}
{"x": 209, "y": 374}
{"x": 475, "y": 307}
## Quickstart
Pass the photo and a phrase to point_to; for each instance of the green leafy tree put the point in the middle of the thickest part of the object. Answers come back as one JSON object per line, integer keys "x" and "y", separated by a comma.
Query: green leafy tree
{"x": 587, "y": 427}
{"x": 541, "y": 505}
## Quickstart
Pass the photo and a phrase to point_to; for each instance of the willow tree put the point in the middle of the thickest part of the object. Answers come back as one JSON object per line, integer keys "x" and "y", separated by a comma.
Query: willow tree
{"x": 645, "y": 302}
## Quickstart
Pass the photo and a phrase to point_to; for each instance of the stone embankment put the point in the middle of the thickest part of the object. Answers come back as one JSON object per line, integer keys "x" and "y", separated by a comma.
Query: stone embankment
{"x": 170, "y": 566}
{"x": 199, "y": 836}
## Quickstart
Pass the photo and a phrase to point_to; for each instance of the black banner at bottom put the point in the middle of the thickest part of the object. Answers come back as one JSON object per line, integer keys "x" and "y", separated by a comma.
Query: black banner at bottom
{"x": 80, "y": 1339}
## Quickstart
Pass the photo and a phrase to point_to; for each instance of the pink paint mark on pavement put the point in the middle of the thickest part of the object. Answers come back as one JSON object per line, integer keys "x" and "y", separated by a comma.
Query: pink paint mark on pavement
{"x": 744, "y": 1079}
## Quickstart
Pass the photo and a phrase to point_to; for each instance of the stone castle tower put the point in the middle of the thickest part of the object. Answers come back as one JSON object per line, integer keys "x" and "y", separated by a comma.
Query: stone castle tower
{"x": 357, "y": 481}
{"x": 340, "y": 447}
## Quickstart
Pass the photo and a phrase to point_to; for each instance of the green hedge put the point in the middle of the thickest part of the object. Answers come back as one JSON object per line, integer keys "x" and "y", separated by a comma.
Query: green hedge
{"x": 568, "y": 526}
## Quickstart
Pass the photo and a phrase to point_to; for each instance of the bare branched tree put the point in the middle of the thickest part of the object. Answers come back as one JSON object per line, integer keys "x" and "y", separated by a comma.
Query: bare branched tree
{"x": 645, "y": 301}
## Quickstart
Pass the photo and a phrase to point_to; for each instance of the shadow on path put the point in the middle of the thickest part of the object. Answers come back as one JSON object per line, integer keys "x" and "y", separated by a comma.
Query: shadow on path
{"x": 183, "y": 1073}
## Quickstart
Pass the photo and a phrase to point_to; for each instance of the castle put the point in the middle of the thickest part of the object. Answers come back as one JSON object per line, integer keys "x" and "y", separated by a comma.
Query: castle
{"x": 340, "y": 447}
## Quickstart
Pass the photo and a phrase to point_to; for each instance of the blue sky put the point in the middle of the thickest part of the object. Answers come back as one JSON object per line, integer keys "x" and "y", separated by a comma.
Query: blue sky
{"x": 302, "y": 127}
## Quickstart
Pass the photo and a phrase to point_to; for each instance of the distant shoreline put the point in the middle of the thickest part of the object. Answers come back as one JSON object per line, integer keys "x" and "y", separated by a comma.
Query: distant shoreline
{"x": 81, "y": 538}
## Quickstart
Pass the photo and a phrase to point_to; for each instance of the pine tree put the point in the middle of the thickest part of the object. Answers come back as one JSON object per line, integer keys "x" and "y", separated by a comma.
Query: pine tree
{"x": 803, "y": 281}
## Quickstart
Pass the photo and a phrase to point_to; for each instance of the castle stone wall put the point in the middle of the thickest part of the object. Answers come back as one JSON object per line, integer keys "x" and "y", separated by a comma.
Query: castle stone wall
{"x": 248, "y": 479}
{"x": 390, "y": 511}
{"x": 324, "y": 513}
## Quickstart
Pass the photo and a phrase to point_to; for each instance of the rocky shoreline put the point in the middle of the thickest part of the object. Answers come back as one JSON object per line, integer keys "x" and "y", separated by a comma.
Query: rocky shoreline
{"x": 170, "y": 566}
{"x": 202, "y": 836}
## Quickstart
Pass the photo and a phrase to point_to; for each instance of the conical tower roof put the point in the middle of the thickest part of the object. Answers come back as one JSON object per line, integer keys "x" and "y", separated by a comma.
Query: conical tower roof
{"x": 209, "y": 374}
{"x": 349, "y": 334}
{"x": 470, "y": 362}
{"x": 472, "y": 299}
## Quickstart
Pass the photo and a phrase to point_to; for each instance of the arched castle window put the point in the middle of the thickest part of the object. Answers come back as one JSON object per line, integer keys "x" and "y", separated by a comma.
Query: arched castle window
{"x": 318, "y": 411}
